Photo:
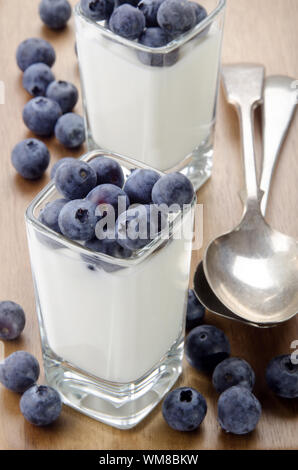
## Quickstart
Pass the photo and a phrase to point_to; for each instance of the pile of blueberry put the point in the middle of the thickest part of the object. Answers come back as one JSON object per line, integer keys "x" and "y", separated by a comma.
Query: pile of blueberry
{"x": 153, "y": 23}
{"x": 40, "y": 404}
{"x": 207, "y": 349}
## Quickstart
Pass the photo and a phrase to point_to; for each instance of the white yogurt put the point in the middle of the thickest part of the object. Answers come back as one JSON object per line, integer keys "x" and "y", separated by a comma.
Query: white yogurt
{"x": 156, "y": 115}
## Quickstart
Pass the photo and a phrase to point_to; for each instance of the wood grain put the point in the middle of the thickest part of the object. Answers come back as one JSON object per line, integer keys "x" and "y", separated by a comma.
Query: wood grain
{"x": 262, "y": 31}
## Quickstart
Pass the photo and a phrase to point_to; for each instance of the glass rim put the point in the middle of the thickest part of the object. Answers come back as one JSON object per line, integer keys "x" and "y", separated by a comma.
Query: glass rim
{"x": 139, "y": 255}
{"x": 171, "y": 46}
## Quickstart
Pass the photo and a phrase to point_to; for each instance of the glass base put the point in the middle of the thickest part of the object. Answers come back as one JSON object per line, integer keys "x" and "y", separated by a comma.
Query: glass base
{"x": 120, "y": 405}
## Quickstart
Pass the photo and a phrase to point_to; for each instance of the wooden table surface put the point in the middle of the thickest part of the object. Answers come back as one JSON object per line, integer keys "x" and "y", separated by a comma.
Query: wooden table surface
{"x": 263, "y": 31}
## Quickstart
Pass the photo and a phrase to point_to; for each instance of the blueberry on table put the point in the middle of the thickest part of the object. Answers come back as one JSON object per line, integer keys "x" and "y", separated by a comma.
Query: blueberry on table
{"x": 41, "y": 405}
{"x": 233, "y": 371}
{"x": 40, "y": 116}
{"x": 77, "y": 220}
{"x": 64, "y": 93}
{"x": 19, "y": 371}
{"x": 59, "y": 163}
{"x": 70, "y": 130}
{"x": 195, "y": 311}
{"x": 282, "y": 376}
{"x": 55, "y": 13}
{"x": 50, "y": 213}
{"x": 30, "y": 158}
{"x": 107, "y": 171}
{"x": 200, "y": 12}
{"x": 110, "y": 247}
{"x": 156, "y": 37}
{"x": 149, "y": 8}
{"x": 74, "y": 180}
{"x": 173, "y": 188}
{"x": 176, "y": 16}
{"x": 12, "y": 320}
{"x": 205, "y": 347}
{"x": 34, "y": 50}
{"x": 127, "y": 21}
{"x": 97, "y": 10}
{"x": 184, "y": 409}
{"x": 107, "y": 197}
{"x": 239, "y": 410}
{"x": 139, "y": 186}
{"x": 37, "y": 78}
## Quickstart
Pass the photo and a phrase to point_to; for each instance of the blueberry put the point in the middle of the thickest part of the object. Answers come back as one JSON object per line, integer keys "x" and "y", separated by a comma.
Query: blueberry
{"x": 239, "y": 410}
{"x": 41, "y": 405}
{"x": 173, "y": 188}
{"x": 107, "y": 171}
{"x": 12, "y": 320}
{"x": 139, "y": 186}
{"x": 109, "y": 195}
{"x": 156, "y": 37}
{"x": 127, "y": 21}
{"x": 50, "y": 213}
{"x": 30, "y": 158}
{"x": 75, "y": 179}
{"x": 59, "y": 163}
{"x": 184, "y": 409}
{"x": 108, "y": 247}
{"x": 200, "y": 12}
{"x": 55, "y": 13}
{"x": 205, "y": 347}
{"x": 19, "y": 371}
{"x": 282, "y": 376}
{"x": 34, "y": 50}
{"x": 233, "y": 371}
{"x": 40, "y": 115}
{"x": 195, "y": 311}
{"x": 138, "y": 226}
{"x": 176, "y": 16}
{"x": 70, "y": 130}
{"x": 77, "y": 220}
{"x": 97, "y": 10}
{"x": 37, "y": 78}
{"x": 149, "y": 8}
{"x": 64, "y": 93}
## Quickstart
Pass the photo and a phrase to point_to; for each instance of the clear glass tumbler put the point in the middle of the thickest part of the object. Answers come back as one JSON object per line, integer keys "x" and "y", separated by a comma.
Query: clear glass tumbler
{"x": 155, "y": 105}
{"x": 111, "y": 329}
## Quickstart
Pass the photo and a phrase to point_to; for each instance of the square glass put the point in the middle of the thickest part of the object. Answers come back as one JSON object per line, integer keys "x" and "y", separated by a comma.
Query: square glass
{"x": 154, "y": 105}
{"x": 112, "y": 330}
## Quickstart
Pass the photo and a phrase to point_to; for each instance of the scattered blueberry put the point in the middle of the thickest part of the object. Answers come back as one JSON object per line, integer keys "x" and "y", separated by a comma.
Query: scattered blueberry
{"x": 195, "y": 311}
{"x": 139, "y": 186}
{"x": 173, "y": 188}
{"x": 55, "y": 13}
{"x": 139, "y": 225}
{"x": 97, "y": 10}
{"x": 37, "y": 78}
{"x": 12, "y": 320}
{"x": 110, "y": 247}
{"x": 127, "y": 21}
{"x": 184, "y": 409}
{"x": 30, "y": 158}
{"x": 107, "y": 195}
{"x": 19, "y": 371}
{"x": 205, "y": 347}
{"x": 107, "y": 171}
{"x": 176, "y": 16}
{"x": 70, "y": 130}
{"x": 34, "y": 50}
{"x": 200, "y": 12}
{"x": 239, "y": 410}
{"x": 233, "y": 371}
{"x": 149, "y": 8}
{"x": 41, "y": 405}
{"x": 75, "y": 179}
{"x": 59, "y": 163}
{"x": 77, "y": 220}
{"x": 40, "y": 115}
{"x": 50, "y": 213}
{"x": 64, "y": 93}
{"x": 156, "y": 37}
{"x": 282, "y": 376}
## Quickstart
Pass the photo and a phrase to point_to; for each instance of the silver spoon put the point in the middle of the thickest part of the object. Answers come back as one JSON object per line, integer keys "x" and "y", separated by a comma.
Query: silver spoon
{"x": 253, "y": 270}
{"x": 280, "y": 101}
